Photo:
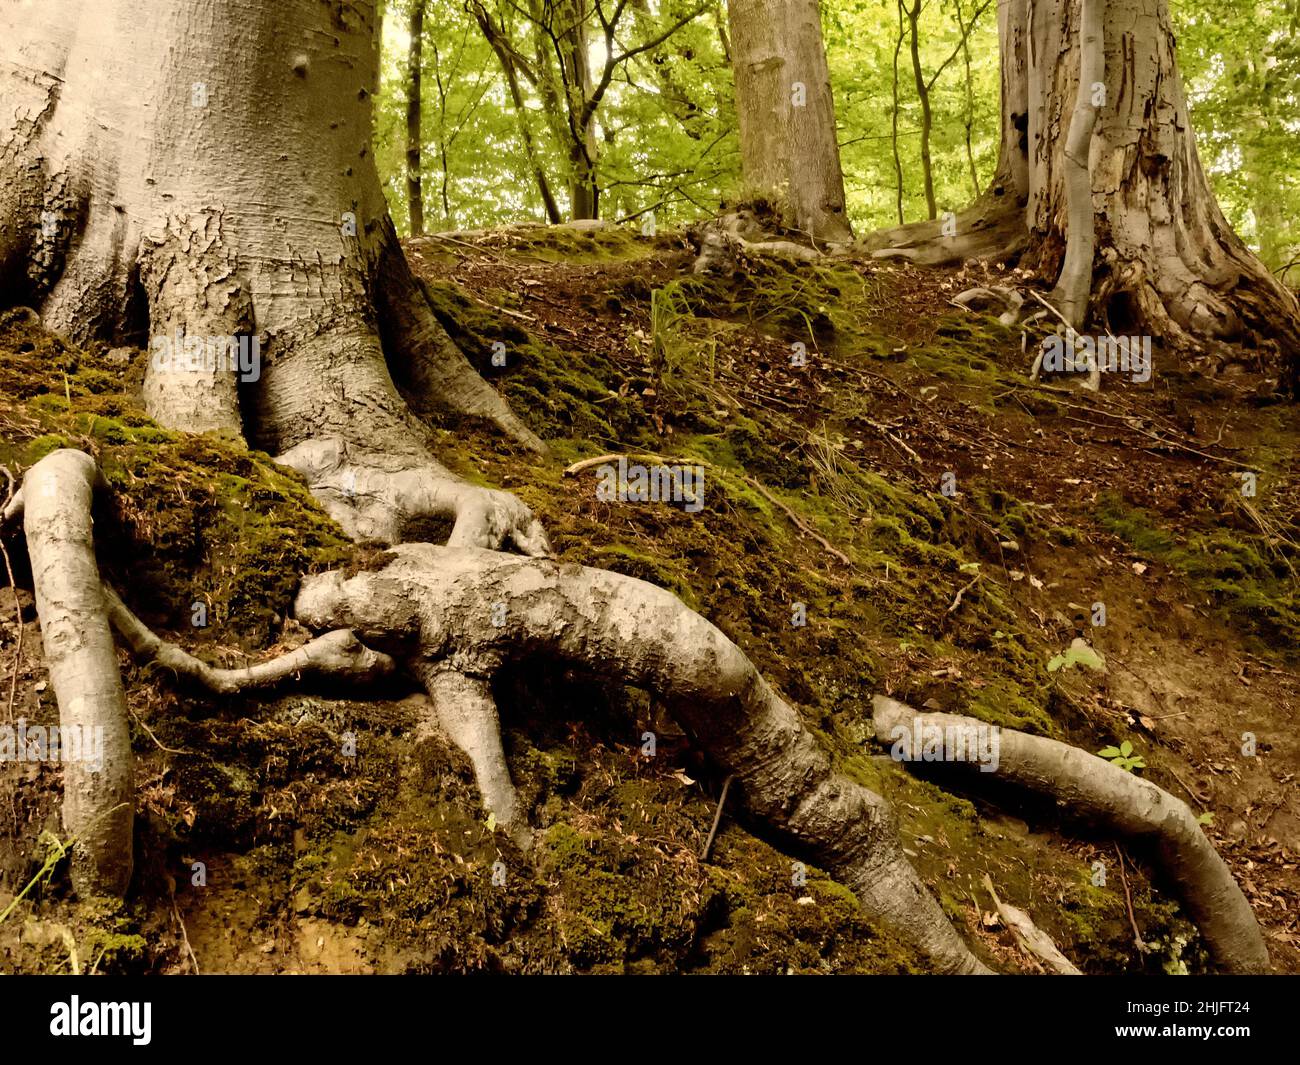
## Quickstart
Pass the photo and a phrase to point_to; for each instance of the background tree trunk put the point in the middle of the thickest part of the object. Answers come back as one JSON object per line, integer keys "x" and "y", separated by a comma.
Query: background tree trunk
{"x": 1167, "y": 263}
{"x": 414, "y": 135}
{"x": 512, "y": 63}
{"x": 927, "y": 116}
{"x": 786, "y": 113}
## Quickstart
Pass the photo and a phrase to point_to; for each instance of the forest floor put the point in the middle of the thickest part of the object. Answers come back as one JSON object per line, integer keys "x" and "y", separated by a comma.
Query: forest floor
{"x": 824, "y": 486}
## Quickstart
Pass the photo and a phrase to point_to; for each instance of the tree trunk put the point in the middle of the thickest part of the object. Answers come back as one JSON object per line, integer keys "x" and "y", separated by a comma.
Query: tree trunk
{"x": 893, "y": 122}
{"x": 1166, "y": 262}
{"x": 414, "y": 135}
{"x": 786, "y": 113}
{"x": 564, "y": 84}
{"x": 511, "y": 62}
{"x": 1074, "y": 286}
{"x": 968, "y": 118}
{"x": 178, "y": 220}
{"x": 584, "y": 191}
{"x": 927, "y": 116}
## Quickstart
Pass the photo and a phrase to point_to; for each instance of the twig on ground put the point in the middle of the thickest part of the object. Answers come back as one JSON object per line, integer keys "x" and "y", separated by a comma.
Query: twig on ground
{"x": 1128, "y": 902}
{"x": 717, "y": 820}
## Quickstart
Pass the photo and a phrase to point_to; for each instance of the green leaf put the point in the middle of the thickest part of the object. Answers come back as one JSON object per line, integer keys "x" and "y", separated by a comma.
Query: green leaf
{"x": 1109, "y": 752}
{"x": 1126, "y": 748}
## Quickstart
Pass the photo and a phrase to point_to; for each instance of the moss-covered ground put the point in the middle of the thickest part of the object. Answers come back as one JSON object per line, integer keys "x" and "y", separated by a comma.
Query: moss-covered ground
{"x": 839, "y": 412}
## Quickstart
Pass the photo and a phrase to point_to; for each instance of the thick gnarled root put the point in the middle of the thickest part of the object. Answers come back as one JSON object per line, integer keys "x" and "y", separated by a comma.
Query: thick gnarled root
{"x": 1095, "y": 791}
{"x": 98, "y": 795}
{"x": 471, "y": 610}
{"x": 376, "y": 500}
{"x": 992, "y": 228}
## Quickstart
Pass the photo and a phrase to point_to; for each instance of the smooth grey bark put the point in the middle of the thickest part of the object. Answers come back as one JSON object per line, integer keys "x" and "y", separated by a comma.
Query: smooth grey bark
{"x": 338, "y": 654}
{"x": 458, "y": 615}
{"x": 786, "y": 113}
{"x": 1093, "y": 791}
{"x": 98, "y": 789}
{"x": 1074, "y": 286}
{"x": 179, "y": 217}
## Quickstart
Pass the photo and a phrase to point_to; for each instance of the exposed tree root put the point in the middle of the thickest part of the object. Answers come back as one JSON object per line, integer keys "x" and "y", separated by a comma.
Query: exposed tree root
{"x": 377, "y": 497}
{"x": 466, "y": 714}
{"x": 1005, "y": 302}
{"x": 1032, "y": 938}
{"x": 431, "y": 372}
{"x": 337, "y": 654}
{"x": 723, "y": 242}
{"x": 991, "y": 229}
{"x": 456, "y": 615}
{"x": 463, "y": 613}
{"x": 98, "y": 789}
{"x": 1093, "y": 790}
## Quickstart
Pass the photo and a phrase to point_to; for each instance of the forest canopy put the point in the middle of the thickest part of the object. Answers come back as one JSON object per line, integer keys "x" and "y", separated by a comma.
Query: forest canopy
{"x": 667, "y": 124}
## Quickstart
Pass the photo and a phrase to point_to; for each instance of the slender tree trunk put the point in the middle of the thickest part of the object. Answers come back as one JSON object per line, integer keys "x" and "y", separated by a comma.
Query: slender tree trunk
{"x": 414, "y": 134}
{"x": 786, "y": 113}
{"x": 969, "y": 116}
{"x": 927, "y": 116}
{"x": 584, "y": 149}
{"x": 560, "y": 65}
{"x": 893, "y": 128}
{"x": 510, "y": 63}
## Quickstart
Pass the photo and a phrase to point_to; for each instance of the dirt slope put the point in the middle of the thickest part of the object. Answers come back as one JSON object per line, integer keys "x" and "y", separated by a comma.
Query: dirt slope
{"x": 318, "y": 861}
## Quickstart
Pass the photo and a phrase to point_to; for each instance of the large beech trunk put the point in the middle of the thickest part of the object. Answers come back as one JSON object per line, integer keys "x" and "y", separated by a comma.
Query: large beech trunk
{"x": 786, "y": 113}
{"x": 167, "y": 197}
{"x": 1166, "y": 262}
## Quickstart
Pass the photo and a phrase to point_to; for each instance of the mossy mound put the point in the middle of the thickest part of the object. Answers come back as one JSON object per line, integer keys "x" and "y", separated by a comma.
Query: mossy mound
{"x": 199, "y": 532}
{"x": 1248, "y": 574}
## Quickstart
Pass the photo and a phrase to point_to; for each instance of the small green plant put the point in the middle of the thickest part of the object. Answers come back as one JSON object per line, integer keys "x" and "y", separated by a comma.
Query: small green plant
{"x": 1077, "y": 654}
{"x": 1123, "y": 757}
{"x": 1206, "y": 818}
{"x": 56, "y": 849}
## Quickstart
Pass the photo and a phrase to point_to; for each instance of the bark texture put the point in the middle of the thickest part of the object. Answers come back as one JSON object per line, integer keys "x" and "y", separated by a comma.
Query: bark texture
{"x": 1166, "y": 262}
{"x": 209, "y": 214}
{"x": 458, "y": 615}
{"x": 98, "y": 788}
{"x": 786, "y": 112}
{"x": 414, "y": 120}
